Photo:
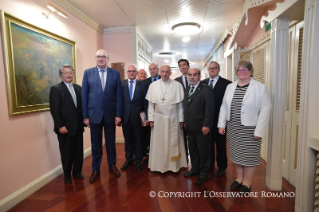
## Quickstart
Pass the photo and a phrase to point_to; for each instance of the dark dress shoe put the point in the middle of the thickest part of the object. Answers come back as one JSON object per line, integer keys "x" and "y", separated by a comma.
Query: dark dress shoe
{"x": 235, "y": 185}
{"x": 78, "y": 176}
{"x": 67, "y": 180}
{"x": 115, "y": 171}
{"x": 190, "y": 173}
{"x": 127, "y": 164}
{"x": 201, "y": 180}
{"x": 139, "y": 166}
{"x": 221, "y": 172}
{"x": 244, "y": 189}
{"x": 146, "y": 159}
{"x": 94, "y": 176}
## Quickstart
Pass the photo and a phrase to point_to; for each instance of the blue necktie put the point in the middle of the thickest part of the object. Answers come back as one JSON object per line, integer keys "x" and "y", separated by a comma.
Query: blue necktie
{"x": 131, "y": 89}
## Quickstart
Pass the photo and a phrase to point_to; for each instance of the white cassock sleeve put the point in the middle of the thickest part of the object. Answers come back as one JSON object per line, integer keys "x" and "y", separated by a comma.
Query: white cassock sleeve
{"x": 180, "y": 111}
{"x": 151, "y": 111}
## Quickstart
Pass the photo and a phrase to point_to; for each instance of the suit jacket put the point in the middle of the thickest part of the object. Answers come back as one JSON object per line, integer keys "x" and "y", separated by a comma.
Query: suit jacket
{"x": 199, "y": 112}
{"x": 63, "y": 110}
{"x": 97, "y": 103}
{"x": 148, "y": 81}
{"x": 132, "y": 108}
{"x": 180, "y": 80}
{"x": 219, "y": 91}
{"x": 255, "y": 110}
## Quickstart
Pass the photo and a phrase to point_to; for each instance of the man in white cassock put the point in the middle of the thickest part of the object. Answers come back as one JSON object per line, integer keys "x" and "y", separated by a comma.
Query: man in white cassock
{"x": 166, "y": 118}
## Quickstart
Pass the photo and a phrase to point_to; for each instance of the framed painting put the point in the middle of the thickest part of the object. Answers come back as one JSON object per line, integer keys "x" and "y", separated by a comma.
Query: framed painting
{"x": 32, "y": 60}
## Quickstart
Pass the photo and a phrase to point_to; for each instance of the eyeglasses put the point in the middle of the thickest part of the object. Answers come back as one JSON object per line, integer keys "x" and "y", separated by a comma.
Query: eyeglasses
{"x": 213, "y": 68}
{"x": 131, "y": 71}
{"x": 68, "y": 73}
{"x": 243, "y": 70}
{"x": 101, "y": 57}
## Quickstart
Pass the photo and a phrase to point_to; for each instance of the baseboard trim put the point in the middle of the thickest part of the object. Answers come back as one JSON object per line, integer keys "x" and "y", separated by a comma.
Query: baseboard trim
{"x": 16, "y": 197}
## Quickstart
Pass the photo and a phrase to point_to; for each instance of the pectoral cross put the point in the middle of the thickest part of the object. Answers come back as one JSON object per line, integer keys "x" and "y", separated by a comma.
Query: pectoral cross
{"x": 163, "y": 99}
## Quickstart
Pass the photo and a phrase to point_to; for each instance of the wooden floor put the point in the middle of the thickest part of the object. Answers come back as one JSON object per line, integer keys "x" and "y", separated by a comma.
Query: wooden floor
{"x": 131, "y": 192}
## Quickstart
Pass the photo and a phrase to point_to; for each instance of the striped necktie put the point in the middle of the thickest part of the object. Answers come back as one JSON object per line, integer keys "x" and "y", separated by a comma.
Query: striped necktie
{"x": 190, "y": 94}
{"x": 212, "y": 83}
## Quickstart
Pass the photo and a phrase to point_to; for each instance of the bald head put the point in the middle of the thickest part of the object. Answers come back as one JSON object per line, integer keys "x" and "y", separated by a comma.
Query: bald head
{"x": 193, "y": 76}
{"x": 153, "y": 68}
{"x": 141, "y": 74}
{"x": 101, "y": 58}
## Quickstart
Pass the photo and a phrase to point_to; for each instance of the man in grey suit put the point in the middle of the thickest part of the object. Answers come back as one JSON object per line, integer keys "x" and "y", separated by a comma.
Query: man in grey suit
{"x": 198, "y": 118}
{"x": 219, "y": 86}
{"x": 102, "y": 108}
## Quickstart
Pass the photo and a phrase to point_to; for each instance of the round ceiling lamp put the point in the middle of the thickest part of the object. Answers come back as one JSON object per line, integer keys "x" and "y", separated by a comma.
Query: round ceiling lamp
{"x": 186, "y": 28}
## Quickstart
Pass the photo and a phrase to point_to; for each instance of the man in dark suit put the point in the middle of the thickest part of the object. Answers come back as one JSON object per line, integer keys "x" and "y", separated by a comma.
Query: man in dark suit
{"x": 134, "y": 103}
{"x": 198, "y": 118}
{"x": 183, "y": 66}
{"x": 153, "y": 68}
{"x": 66, "y": 111}
{"x": 102, "y": 108}
{"x": 219, "y": 85}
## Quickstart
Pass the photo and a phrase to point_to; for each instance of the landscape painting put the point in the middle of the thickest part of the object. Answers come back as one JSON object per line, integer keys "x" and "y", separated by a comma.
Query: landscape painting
{"x": 33, "y": 59}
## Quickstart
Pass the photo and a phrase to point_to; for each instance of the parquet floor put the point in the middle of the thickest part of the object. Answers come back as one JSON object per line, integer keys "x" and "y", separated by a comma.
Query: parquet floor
{"x": 173, "y": 192}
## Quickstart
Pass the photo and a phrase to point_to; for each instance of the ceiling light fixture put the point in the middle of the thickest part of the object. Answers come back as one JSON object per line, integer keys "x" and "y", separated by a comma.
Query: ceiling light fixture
{"x": 54, "y": 9}
{"x": 186, "y": 39}
{"x": 166, "y": 61}
{"x": 186, "y": 27}
{"x": 166, "y": 53}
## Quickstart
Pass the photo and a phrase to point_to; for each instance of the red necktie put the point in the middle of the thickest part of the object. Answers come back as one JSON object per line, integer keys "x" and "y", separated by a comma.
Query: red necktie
{"x": 186, "y": 83}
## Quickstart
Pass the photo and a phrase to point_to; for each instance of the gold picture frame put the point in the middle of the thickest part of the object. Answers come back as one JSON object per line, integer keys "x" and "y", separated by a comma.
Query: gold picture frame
{"x": 32, "y": 59}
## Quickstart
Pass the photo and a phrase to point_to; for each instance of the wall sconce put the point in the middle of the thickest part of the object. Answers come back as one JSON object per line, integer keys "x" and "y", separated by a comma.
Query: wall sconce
{"x": 54, "y": 9}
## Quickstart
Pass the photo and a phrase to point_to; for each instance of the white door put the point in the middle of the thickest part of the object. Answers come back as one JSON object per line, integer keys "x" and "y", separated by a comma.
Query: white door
{"x": 292, "y": 103}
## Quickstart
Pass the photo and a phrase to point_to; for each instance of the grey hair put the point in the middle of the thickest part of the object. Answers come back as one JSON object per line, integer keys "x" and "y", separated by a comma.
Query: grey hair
{"x": 216, "y": 63}
{"x": 132, "y": 64}
{"x": 65, "y": 66}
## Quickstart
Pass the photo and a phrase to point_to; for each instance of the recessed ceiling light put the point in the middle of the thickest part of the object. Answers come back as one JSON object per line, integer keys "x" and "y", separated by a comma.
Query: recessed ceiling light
{"x": 186, "y": 27}
{"x": 166, "y": 61}
{"x": 186, "y": 39}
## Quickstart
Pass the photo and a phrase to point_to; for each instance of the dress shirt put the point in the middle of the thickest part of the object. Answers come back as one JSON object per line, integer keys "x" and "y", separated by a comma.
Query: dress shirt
{"x": 195, "y": 86}
{"x": 105, "y": 74}
{"x": 155, "y": 78}
{"x": 214, "y": 82}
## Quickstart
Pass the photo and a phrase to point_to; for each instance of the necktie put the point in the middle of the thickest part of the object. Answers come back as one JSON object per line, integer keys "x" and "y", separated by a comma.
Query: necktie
{"x": 212, "y": 83}
{"x": 131, "y": 89}
{"x": 72, "y": 94}
{"x": 191, "y": 92}
{"x": 186, "y": 82}
{"x": 154, "y": 79}
{"x": 102, "y": 79}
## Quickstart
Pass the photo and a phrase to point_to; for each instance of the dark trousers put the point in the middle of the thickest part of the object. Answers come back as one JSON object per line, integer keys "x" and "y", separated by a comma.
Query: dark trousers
{"x": 221, "y": 152}
{"x": 133, "y": 137}
{"x": 185, "y": 142}
{"x": 200, "y": 151}
{"x": 71, "y": 151}
{"x": 96, "y": 143}
{"x": 146, "y": 139}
